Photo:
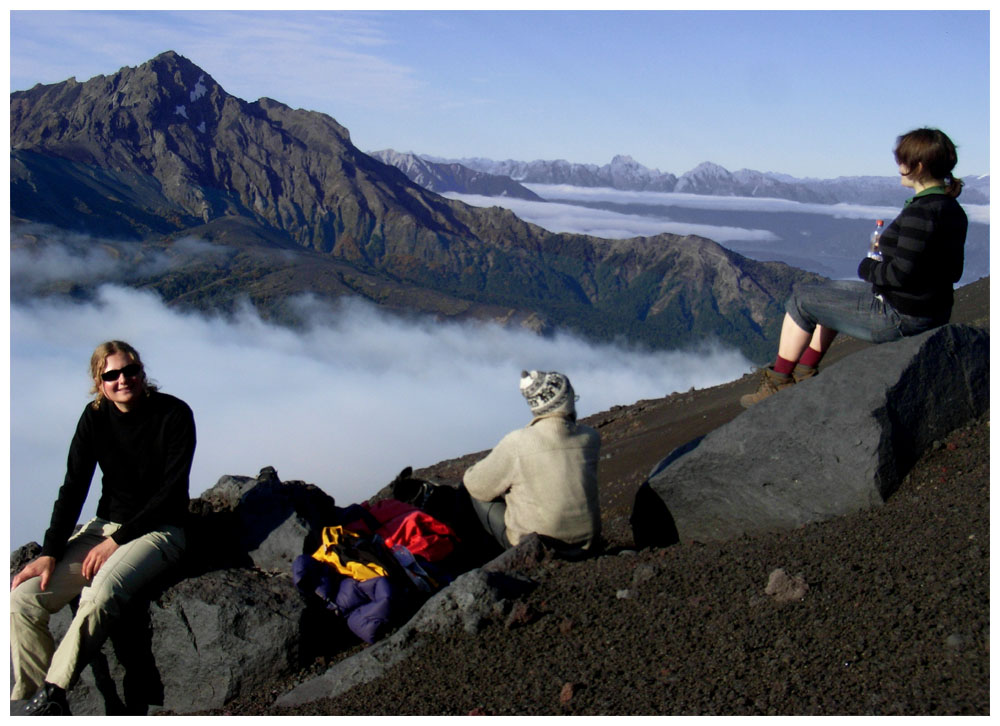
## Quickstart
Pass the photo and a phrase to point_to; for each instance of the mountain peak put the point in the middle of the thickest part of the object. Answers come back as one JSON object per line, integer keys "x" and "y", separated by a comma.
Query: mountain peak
{"x": 171, "y": 59}
{"x": 708, "y": 167}
{"x": 174, "y": 73}
{"x": 623, "y": 160}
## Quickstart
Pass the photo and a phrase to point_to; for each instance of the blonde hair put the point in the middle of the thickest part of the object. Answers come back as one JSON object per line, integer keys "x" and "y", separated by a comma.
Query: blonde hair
{"x": 100, "y": 359}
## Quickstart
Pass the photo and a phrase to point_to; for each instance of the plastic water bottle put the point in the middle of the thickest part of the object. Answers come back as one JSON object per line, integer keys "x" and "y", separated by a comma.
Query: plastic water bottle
{"x": 873, "y": 251}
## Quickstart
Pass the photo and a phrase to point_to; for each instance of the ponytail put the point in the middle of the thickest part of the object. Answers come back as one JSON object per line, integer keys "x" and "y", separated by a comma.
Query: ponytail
{"x": 954, "y": 187}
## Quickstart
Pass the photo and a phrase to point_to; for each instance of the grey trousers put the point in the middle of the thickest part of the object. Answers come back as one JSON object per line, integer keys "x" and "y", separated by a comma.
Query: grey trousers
{"x": 133, "y": 565}
{"x": 850, "y": 307}
{"x": 491, "y": 516}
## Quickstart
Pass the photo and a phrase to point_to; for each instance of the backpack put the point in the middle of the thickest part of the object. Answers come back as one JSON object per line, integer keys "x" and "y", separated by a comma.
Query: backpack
{"x": 353, "y": 555}
{"x": 399, "y": 523}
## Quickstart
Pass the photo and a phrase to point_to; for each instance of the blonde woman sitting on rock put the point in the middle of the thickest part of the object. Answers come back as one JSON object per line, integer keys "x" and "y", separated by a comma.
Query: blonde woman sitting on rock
{"x": 144, "y": 442}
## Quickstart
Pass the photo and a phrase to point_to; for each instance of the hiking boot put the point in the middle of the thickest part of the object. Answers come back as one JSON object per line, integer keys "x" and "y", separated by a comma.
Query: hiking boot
{"x": 770, "y": 383}
{"x": 802, "y": 372}
{"x": 49, "y": 701}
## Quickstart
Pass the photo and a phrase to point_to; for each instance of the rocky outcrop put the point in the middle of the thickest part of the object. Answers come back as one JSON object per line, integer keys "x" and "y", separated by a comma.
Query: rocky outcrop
{"x": 230, "y": 621}
{"x": 837, "y": 443}
{"x": 197, "y": 645}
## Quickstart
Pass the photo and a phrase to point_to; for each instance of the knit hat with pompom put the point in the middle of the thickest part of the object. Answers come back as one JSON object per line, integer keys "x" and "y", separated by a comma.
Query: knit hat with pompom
{"x": 547, "y": 392}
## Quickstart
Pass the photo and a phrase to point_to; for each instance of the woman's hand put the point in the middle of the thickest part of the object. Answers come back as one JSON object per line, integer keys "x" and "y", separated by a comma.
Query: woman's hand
{"x": 865, "y": 269}
{"x": 38, "y": 567}
{"x": 96, "y": 558}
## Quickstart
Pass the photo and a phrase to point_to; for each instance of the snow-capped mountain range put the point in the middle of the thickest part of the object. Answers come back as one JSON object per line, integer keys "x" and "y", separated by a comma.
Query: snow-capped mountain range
{"x": 626, "y": 173}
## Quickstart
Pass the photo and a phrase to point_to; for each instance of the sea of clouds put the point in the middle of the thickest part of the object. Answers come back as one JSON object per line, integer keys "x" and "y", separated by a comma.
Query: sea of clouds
{"x": 345, "y": 402}
{"x": 828, "y": 239}
{"x": 977, "y": 213}
{"x": 557, "y": 216}
{"x": 562, "y": 215}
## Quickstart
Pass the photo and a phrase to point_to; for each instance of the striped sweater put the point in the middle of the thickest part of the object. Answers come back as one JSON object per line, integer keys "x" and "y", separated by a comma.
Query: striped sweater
{"x": 923, "y": 253}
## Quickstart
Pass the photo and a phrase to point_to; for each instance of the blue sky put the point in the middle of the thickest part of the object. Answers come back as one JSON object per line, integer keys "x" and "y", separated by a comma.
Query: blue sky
{"x": 820, "y": 94}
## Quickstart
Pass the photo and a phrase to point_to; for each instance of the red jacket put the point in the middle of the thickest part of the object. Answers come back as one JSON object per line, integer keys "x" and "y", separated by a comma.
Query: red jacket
{"x": 404, "y": 524}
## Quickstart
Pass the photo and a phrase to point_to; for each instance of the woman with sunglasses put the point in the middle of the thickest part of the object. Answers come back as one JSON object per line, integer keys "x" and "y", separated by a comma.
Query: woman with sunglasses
{"x": 144, "y": 442}
{"x": 905, "y": 291}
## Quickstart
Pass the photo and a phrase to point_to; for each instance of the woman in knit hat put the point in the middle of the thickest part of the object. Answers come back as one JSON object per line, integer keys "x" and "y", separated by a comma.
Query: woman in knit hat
{"x": 542, "y": 478}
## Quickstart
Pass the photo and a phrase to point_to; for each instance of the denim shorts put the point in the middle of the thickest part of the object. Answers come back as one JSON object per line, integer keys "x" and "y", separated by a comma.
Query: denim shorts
{"x": 851, "y": 307}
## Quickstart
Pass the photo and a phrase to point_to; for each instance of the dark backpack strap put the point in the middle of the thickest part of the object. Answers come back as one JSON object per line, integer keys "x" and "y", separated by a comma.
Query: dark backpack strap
{"x": 356, "y": 512}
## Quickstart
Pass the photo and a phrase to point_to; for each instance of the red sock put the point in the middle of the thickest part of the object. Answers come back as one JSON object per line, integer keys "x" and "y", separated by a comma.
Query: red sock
{"x": 810, "y": 358}
{"x": 784, "y": 366}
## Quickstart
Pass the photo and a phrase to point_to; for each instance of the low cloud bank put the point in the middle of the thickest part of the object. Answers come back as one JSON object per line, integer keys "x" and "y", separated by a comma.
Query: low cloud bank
{"x": 344, "y": 403}
{"x": 41, "y": 255}
{"x": 979, "y": 213}
{"x": 575, "y": 219}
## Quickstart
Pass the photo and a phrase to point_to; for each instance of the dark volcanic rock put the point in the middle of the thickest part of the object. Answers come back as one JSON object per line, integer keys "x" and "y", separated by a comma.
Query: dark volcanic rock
{"x": 203, "y": 642}
{"x": 22, "y": 556}
{"x": 837, "y": 443}
{"x": 276, "y": 521}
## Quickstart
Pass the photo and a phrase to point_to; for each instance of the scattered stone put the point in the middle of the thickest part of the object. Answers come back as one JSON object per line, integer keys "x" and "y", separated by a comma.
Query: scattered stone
{"x": 567, "y": 693}
{"x": 784, "y": 587}
{"x": 623, "y": 594}
{"x": 643, "y": 573}
{"x": 521, "y": 614}
{"x": 566, "y": 626}
{"x": 530, "y": 552}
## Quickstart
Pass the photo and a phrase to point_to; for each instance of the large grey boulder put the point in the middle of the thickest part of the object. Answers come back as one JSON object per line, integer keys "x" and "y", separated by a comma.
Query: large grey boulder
{"x": 837, "y": 443}
{"x": 200, "y": 644}
{"x": 272, "y": 522}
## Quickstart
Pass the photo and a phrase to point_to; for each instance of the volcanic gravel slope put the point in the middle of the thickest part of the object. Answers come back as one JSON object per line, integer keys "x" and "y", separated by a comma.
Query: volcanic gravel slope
{"x": 894, "y": 620}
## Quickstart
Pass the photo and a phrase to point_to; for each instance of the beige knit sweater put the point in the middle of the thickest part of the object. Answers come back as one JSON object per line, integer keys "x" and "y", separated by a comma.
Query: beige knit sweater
{"x": 547, "y": 474}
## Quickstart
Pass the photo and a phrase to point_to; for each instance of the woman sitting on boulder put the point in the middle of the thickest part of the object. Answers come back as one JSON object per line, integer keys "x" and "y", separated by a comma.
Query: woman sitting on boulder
{"x": 144, "y": 442}
{"x": 542, "y": 478}
{"x": 906, "y": 291}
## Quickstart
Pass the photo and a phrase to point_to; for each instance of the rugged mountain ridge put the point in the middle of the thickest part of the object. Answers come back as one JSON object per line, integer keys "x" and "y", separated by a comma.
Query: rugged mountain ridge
{"x": 623, "y": 172}
{"x": 453, "y": 177}
{"x": 161, "y": 151}
{"x": 711, "y": 179}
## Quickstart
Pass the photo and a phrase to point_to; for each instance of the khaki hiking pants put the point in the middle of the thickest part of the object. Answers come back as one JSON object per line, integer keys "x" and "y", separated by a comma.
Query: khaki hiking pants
{"x": 33, "y": 654}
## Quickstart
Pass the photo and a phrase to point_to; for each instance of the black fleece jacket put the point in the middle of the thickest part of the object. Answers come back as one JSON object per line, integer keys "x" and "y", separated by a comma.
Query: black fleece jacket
{"x": 923, "y": 253}
{"x": 145, "y": 456}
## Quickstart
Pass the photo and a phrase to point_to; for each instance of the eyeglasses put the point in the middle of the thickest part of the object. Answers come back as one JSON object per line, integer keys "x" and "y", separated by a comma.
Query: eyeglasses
{"x": 129, "y": 371}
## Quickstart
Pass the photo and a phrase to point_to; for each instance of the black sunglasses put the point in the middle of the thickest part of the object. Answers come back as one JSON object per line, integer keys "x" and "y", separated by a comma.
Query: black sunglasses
{"x": 129, "y": 371}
